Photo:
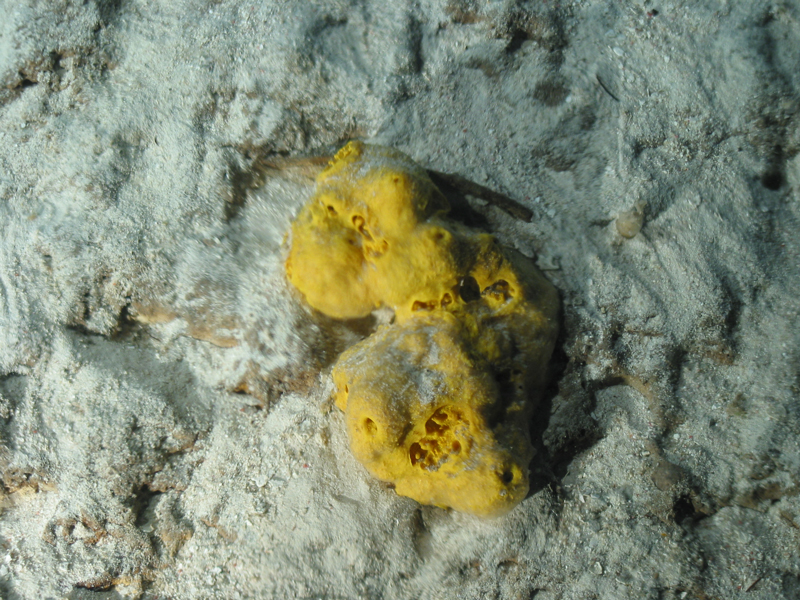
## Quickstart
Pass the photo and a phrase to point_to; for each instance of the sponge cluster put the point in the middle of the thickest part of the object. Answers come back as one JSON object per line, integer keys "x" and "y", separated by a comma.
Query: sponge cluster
{"x": 438, "y": 403}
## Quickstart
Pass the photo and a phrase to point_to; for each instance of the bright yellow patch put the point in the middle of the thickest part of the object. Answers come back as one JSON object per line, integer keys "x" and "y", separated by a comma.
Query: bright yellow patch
{"x": 439, "y": 402}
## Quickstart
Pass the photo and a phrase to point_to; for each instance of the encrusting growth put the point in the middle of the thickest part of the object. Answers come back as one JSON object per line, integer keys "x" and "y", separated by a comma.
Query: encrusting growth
{"x": 438, "y": 402}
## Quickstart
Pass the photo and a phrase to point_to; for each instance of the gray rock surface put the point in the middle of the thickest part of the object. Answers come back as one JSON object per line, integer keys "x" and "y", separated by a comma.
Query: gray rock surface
{"x": 166, "y": 429}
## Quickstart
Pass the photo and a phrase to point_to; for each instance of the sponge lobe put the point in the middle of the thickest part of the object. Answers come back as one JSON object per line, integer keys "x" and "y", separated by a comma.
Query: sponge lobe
{"x": 363, "y": 238}
{"x": 420, "y": 406}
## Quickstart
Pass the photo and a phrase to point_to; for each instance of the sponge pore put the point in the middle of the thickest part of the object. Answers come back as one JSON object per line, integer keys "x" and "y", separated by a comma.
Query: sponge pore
{"x": 444, "y": 437}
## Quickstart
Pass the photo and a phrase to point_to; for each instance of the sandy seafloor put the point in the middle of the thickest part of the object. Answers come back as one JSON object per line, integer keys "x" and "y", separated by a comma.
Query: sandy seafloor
{"x": 166, "y": 429}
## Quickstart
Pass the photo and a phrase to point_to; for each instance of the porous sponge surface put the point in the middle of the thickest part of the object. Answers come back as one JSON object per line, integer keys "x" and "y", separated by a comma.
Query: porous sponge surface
{"x": 439, "y": 402}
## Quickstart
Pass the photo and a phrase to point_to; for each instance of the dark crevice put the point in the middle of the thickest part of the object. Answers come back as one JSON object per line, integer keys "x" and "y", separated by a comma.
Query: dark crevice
{"x": 415, "y": 35}
{"x": 241, "y": 181}
{"x": 82, "y": 329}
{"x": 141, "y": 501}
{"x": 515, "y": 43}
{"x": 108, "y": 10}
{"x": 126, "y": 327}
{"x": 25, "y": 83}
{"x": 773, "y": 179}
{"x": 55, "y": 59}
{"x": 684, "y": 509}
{"x": 545, "y": 28}
{"x": 101, "y": 584}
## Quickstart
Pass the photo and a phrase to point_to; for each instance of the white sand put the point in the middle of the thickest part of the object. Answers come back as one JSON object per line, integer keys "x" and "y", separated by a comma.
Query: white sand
{"x": 141, "y": 286}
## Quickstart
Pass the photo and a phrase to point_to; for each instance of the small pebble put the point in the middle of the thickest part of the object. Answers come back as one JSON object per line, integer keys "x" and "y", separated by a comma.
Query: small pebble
{"x": 629, "y": 223}
{"x": 666, "y": 476}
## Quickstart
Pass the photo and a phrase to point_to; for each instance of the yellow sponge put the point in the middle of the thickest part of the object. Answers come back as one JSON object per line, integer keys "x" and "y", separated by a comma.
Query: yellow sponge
{"x": 437, "y": 403}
